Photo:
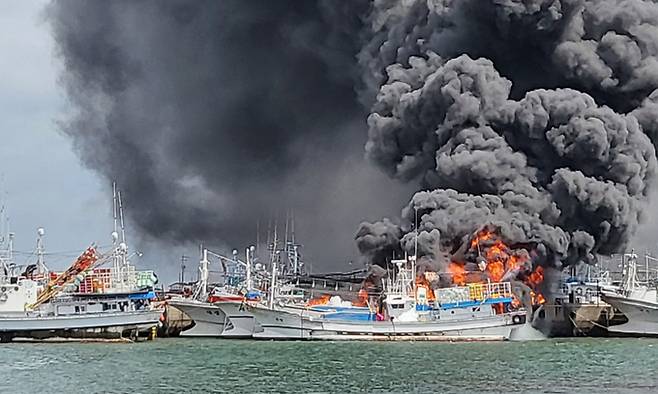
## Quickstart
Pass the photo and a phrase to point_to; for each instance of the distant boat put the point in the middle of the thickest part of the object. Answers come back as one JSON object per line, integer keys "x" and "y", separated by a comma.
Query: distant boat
{"x": 575, "y": 306}
{"x": 210, "y": 319}
{"x": 638, "y": 301}
{"x": 222, "y": 311}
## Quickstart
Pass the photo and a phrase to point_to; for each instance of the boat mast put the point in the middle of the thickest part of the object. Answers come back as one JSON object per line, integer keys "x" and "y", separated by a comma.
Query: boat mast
{"x": 630, "y": 274}
{"x": 275, "y": 243}
{"x": 286, "y": 246}
{"x": 257, "y": 236}
{"x": 116, "y": 258}
{"x": 202, "y": 285}
{"x": 273, "y": 285}
{"x": 249, "y": 253}
{"x": 41, "y": 266}
{"x": 6, "y": 242}
{"x": 413, "y": 262}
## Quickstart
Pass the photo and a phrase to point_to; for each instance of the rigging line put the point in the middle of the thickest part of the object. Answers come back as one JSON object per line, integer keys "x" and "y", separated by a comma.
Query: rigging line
{"x": 72, "y": 254}
{"x": 75, "y": 252}
{"x": 27, "y": 259}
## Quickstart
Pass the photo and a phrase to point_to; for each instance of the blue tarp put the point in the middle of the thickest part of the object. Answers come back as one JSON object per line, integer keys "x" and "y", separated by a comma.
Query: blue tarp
{"x": 142, "y": 296}
{"x": 251, "y": 295}
{"x": 360, "y": 316}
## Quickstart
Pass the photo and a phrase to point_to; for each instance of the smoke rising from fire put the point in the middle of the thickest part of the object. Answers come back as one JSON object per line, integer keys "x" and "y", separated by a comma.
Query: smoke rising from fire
{"x": 531, "y": 116}
{"x": 213, "y": 115}
{"x": 534, "y": 116}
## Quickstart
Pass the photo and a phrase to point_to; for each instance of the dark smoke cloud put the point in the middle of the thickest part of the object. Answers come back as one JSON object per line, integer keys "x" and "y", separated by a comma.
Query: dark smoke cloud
{"x": 515, "y": 114}
{"x": 534, "y": 116}
{"x": 211, "y": 115}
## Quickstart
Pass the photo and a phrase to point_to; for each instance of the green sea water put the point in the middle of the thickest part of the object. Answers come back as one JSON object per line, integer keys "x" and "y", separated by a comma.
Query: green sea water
{"x": 231, "y": 366}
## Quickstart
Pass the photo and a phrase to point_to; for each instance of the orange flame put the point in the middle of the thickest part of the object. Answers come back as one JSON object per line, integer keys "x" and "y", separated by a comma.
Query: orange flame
{"x": 362, "y": 298}
{"x": 496, "y": 270}
{"x": 536, "y": 277}
{"x": 321, "y": 300}
{"x": 422, "y": 281}
{"x": 458, "y": 273}
{"x": 537, "y": 298}
{"x": 482, "y": 236}
{"x": 501, "y": 259}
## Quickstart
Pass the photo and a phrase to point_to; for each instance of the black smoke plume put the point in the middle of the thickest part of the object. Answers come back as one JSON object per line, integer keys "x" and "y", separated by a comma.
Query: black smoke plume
{"x": 212, "y": 115}
{"x": 533, "y": 116}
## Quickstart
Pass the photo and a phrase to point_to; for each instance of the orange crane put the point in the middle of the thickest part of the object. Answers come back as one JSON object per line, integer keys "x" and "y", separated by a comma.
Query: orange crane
{"x": 85, "y": 262}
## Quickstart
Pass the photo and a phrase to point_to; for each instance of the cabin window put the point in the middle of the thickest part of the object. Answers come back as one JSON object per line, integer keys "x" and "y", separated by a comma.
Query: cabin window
{"x": 114, "y": 306}
{"x": 209, "y": 312}
{"x": 105, "y": 306}
{"x": 77, "y": 309}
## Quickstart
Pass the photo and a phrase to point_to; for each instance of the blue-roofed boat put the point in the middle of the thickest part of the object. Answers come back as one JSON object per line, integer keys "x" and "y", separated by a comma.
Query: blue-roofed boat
{"x": 482, "y": 311}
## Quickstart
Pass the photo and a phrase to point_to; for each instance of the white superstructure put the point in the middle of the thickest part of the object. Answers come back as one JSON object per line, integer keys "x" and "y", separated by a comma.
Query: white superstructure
{"x": 637, "y": 300}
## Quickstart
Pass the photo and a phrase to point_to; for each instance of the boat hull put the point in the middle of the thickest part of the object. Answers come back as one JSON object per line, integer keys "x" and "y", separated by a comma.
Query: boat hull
{"x": 80, "y": 325}
{"x": 642, "y": 315}
{"x": 495, "y": 327}
{"x": 240, "y": 322}
{"x": 209, "y": 320}
{"x": 281, "y": 324}
{"x": 292, "y": 324}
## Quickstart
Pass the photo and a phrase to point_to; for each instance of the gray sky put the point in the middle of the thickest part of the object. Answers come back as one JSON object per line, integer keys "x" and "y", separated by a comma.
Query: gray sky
{"x": 45, "y": 182}
{"x": 42, "y": 180}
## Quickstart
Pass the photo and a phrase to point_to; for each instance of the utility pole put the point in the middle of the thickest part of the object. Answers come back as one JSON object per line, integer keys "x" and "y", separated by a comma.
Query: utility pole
{"x": 183, "y": 260}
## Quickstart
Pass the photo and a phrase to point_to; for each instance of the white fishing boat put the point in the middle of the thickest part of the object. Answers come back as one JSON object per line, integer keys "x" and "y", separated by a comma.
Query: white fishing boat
{"x": 208, "y": 319}
{"x": 477, "y": 311}
{"x": 28, "y": 308}
{"x": 638, "y": 301}
{"x": 223, "y": 312}
{"x": 79, "y": 302}
{"x": 208, "y": 310}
